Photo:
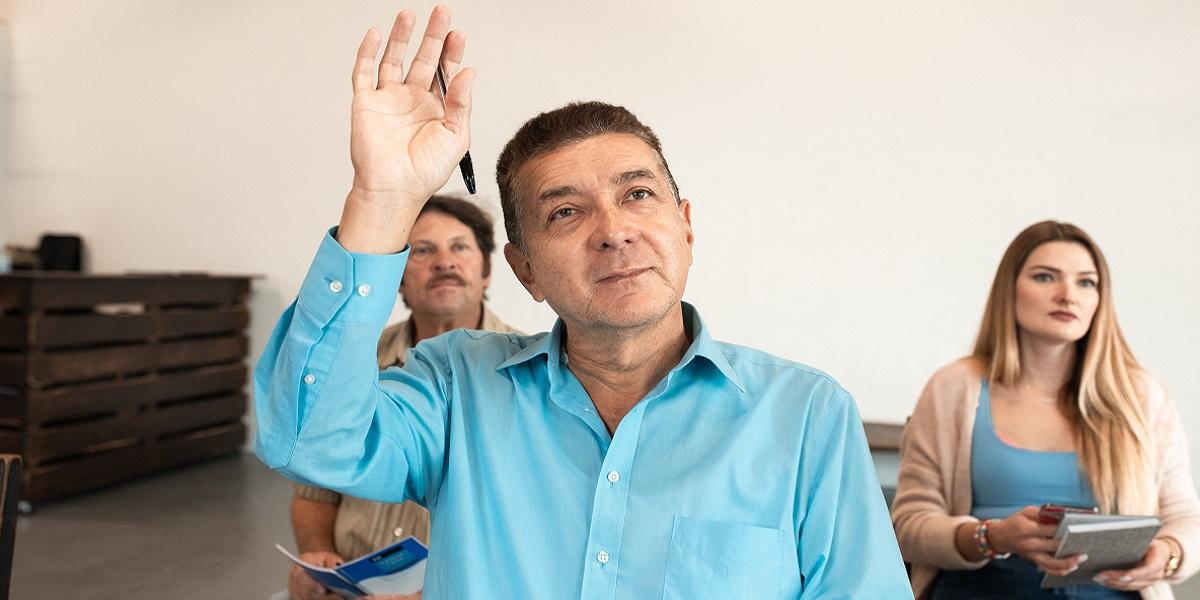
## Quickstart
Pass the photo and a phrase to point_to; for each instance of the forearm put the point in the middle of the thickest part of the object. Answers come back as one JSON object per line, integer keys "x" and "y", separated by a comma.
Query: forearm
{"x": 313, "y": 525}
{"x": 964, "y": 541}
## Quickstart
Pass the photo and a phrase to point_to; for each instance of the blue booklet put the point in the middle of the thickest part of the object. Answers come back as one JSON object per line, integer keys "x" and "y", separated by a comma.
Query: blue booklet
{"x": 397, "y": 569}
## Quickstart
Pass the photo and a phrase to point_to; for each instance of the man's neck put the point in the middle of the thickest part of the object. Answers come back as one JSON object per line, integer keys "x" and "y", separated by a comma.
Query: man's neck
{"x": 426, "y": 326}
{"x": 618, "y": 369}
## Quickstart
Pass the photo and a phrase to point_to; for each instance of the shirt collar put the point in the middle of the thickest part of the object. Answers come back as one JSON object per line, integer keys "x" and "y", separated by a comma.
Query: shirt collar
{"x": 702, "y": 346}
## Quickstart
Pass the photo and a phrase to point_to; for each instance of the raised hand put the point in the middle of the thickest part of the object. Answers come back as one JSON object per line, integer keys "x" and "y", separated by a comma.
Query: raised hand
{"x": 404, "y": 144}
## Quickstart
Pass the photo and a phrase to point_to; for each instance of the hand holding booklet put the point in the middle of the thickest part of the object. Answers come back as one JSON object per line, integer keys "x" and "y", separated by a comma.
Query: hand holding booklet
{"x": 397, "y": 569}
{"x": 1110, "y": 541}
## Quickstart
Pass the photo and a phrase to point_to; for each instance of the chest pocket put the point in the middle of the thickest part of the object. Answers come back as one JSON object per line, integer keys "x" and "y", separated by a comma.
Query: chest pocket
{"x": 718, "y": 559}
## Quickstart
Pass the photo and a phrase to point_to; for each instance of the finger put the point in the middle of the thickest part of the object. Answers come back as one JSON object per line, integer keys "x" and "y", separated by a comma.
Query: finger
{"x": 391, "y": 67}
{"x": 362, "y": 79}
{"x": 420, "y": 73}
{"x": 1120, "y": 580}
{"x": 452, "y": 55}
{"x": 1038, "y": 544}
{"x": 1056, "y": 566}
{"x": 458, "y": 103}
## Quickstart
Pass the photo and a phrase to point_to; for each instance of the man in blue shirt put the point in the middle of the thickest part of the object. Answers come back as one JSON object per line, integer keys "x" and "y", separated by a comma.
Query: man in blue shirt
{"x": 624, "y": 454}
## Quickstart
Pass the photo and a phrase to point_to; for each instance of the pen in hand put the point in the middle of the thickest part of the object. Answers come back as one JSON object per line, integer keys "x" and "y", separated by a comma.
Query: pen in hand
{"x": 464, "y": 165}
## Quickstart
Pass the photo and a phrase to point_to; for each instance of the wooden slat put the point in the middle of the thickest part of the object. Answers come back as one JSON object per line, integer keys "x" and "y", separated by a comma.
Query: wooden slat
{"x": 68, "y": 402}
{"x": 14, "y": 332}
{"x": 41, "y": 406}
{"x": 204, "y": 351}
{"x": 194, "y": 414}
{"x": 59, "y": 330}
{"x": 45, "y": 445}
{"x": 55, "y": 290}
{"x": 83, "y": 473}
{"x": 202, "y": 381}
{"x": 10, "y": 440}
{"x": 199, "y": 445}
{"x": 201, "y": 290}
{"x": 68, "y": 366}
{"x": 12, "y": 368}
{"x": 883, "y": 436}
{"x": 78, "y": 291}
{"x": 185, "y": 323}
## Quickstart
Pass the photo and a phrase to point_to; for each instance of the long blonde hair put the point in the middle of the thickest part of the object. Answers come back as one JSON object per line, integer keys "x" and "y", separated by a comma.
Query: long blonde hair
{"x": 1102, "y": 396}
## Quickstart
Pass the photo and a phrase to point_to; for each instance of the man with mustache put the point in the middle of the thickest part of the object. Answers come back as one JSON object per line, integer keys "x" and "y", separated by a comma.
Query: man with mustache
{"x": 444, "y": 286}
{"x": 623, "y": 454}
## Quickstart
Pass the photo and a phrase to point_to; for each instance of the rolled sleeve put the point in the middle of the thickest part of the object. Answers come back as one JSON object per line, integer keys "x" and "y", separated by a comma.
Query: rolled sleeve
{"x": 308, "y": 492}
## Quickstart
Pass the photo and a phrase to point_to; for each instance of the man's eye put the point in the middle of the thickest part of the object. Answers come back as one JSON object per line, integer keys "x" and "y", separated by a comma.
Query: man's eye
{"x": 422, "y": 250}
{"x": 640, "y": 194}
{"x": 562, "y": 213}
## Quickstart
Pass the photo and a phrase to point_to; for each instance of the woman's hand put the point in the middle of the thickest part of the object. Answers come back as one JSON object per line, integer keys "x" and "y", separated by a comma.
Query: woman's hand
{"x": 1147, "y": 572}
{"x": 1023, "y": 535}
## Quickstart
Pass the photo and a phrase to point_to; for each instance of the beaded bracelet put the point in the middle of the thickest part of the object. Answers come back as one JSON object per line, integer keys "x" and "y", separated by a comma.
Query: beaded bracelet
{"x": 985, "y": 545}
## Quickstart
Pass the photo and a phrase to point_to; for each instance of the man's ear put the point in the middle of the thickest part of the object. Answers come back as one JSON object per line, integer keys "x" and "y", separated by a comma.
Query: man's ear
{"x": 520, "y": 266}
{"x": 685, "y": 212}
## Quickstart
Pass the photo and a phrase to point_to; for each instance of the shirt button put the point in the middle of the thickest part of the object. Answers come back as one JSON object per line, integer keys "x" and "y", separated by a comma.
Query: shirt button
{"x": 335, "y": 286}
{"x": 364, "y": 290}
{"x": 602, "y": 557}
{"x": 399, "y": 531}
{"x": 614, "y": 476}
{"x": 310, "y": 379}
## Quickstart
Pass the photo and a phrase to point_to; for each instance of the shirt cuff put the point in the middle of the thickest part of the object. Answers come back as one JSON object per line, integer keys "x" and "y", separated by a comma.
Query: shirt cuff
{"x": 362, "y": 287}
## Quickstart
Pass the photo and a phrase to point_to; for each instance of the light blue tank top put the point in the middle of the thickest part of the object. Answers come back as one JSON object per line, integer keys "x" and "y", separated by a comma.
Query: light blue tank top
{"x": 1005, "y": 478}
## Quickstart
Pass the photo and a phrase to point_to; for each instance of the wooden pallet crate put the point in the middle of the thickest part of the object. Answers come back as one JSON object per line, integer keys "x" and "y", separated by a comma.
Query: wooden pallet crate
{"x": 108, "y": 378}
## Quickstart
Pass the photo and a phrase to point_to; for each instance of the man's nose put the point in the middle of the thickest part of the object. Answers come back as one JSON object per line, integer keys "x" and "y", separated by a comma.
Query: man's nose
{"x": 444, "y": 260}
{"x": 613, "y": 229}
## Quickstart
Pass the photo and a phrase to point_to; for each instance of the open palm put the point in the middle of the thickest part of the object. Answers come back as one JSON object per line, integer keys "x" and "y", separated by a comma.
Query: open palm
{"x": 404, "y": 143}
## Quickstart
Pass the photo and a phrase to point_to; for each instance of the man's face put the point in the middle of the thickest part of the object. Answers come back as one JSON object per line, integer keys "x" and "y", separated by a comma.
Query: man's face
{"x": 606, "y": 244}
{"x": 444, "y": 275}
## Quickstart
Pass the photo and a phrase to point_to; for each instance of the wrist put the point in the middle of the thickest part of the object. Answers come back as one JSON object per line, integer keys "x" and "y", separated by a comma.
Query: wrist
{"x": 1174, "y": 555}
{"x": 377, "y": 222}
{"x": 984, "y": 540}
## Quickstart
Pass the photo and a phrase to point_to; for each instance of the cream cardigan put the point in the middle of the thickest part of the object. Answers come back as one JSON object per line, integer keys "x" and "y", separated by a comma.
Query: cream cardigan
{"x": 933, "y": 495}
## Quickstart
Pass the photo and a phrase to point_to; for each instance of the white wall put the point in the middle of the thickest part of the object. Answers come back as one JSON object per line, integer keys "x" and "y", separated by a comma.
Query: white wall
{"x": 857, "y": 168}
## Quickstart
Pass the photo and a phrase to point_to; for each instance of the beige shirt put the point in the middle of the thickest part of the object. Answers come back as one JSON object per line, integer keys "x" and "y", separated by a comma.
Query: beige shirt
{"x": 363, "y": 526}
{"x": 933, "y": 496}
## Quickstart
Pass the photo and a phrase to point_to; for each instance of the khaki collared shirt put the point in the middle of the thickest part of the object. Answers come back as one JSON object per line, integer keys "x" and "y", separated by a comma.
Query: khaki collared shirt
{"x": 363, "y": 526}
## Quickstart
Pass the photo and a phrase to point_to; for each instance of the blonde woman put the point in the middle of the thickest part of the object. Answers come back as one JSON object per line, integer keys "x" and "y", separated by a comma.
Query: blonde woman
{"x": 1051, "y": 407}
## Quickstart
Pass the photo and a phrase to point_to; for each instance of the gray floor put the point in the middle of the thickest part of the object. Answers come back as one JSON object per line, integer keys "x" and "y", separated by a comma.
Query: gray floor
{"x": 195, "y": 534}
{"x": 198, "y": 533}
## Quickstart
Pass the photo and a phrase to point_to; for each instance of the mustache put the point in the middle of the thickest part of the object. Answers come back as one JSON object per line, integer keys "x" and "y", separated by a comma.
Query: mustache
{"x": 446, "y": 277}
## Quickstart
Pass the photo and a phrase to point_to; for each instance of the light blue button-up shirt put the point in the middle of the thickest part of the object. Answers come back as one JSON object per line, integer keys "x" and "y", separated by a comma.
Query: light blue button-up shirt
{"x": 740, "y": 475}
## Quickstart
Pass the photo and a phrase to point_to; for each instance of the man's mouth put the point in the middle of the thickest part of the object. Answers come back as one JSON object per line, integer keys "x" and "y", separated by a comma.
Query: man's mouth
{"x": 623, "y": 275}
